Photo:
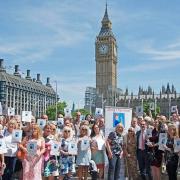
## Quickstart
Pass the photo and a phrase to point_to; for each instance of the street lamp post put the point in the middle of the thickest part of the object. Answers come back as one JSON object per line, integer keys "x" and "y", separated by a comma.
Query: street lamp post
{"x": 56, "y": 101}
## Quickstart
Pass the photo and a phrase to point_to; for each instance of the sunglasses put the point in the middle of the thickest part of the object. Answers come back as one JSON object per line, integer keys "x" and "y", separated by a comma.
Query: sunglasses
{"x": 84, "y": 129}
{"x": 53, "y": 129}
{"x": 67, "y": 131}
{"x": 130, "y": 131}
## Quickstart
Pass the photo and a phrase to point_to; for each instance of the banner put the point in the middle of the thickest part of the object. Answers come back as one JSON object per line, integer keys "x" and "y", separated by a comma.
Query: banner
{"x": 116, "y": 115}
{"x": 32, "y": 148}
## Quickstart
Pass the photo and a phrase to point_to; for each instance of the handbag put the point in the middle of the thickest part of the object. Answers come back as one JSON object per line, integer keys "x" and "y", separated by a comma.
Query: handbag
{"x": 20, "y": 154}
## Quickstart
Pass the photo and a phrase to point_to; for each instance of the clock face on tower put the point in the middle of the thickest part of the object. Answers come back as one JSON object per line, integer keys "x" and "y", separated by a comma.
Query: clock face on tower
{"x": 103, "y": 49}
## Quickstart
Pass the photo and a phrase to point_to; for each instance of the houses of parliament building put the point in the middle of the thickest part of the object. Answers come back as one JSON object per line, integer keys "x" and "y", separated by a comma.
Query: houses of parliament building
{"x": 106, "y": 92}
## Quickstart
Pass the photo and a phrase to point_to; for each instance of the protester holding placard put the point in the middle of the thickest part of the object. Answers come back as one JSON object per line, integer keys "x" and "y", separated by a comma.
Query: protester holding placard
{"x": 32, "y": 164}
{"x": 10, "y": 156}
{"x": 84, "y": 153}
{"x": 154, "y": 154}
{"x": 66, "y": 159}
{"x": 171, "y": 157}
{"x": 97, "y": 149}
{"x": 115, "y": 151}
{"x": 50, "y": 161}
{"x": 130, "y": 154}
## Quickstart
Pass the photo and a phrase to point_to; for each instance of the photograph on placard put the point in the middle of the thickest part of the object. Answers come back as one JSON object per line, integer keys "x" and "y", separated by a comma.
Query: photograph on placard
{"x": 60, "y": 122}
{"x": 149, "y": 132}
{"x": 118, "y": 118}
{"x": 26, "y": 116}
{"x": 41, "y": 123}
{"x": 67, "y": 112}
{"x": 55, "y": 145}
{"x": 85, "y": 144}
{"x": 32, "y": 148}
{"x": 162, "y": 141}
{"x": 10, "y": 111}
{"x": 139, "y": 110}
{"x": 177, "y": 145}
{"x": 98, "y": 112}
{"x": 174, "y": 109}
{"x": 16, "y": 135}
{"x": 72, "y": 148}
{"x": 3, "y": 148}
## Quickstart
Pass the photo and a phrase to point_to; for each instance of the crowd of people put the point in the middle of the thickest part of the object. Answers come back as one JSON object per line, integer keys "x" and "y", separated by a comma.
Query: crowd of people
{"x": 134, "y": 151}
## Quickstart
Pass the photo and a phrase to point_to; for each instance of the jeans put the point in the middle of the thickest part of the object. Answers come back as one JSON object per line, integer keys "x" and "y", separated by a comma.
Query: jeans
{"x": 10, "y": 164}
{"x": 144, "y": 164}
{"x": 114, "y": 168}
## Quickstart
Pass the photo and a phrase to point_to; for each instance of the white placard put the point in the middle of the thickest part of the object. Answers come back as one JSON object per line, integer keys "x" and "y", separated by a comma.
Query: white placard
{"x": 10, "y": 111}
{"x": 100, "y": 144}
{"x": 149, "y": 132}
{"x": 3, "y": 148}
{"x": 1, "y": 109}
{"x": 85, "y": 144}
{"x": 162, "y": 141}
{"x": 55, "y": 148}
{"x": 177, "y": 145}
{"x": 32, "y": 148}
{"x": 16, "y": 135}
{"x": 67, "y": 112}
{"x": 60, "y": 122}
{"x": 72, "y": 148}
{"x": 4, "y": 110}
{"x": 139, "y": 110}
{"x": 174, "y": 109}
{"x": 41, "y": 123}
{"x": 99, "y": 112}
{"x": 26, "y": 116}
{"x": 152, "y": 106}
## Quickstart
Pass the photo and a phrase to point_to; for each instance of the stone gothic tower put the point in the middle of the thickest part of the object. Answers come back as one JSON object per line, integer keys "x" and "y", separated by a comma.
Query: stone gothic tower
{"x": 106, "y": 59}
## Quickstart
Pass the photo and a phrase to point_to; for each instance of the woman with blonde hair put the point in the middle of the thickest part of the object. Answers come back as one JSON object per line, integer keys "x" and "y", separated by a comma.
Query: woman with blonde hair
{"x": 32, "y": 164}
{"x": 171, "y": 157}
{"x": 10, "y": 155}
{"x": 50, "y": 161}
{"x": 114, "y": 146}
{"x": 130, "y": 153}
{"x": 83, "y": 155}
{"x": 66, "y": 160}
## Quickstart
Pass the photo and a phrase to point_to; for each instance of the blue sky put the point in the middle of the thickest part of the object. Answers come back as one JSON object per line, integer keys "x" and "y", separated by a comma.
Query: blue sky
{"x": 56, "y": 38}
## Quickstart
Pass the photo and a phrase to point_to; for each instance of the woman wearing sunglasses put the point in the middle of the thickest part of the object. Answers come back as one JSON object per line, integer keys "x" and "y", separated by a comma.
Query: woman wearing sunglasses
{"x": 84, "y": 153}
{"x": 130, "y": 152}
{"x": 50, "y": 161}
{"x": 66, "y": 160}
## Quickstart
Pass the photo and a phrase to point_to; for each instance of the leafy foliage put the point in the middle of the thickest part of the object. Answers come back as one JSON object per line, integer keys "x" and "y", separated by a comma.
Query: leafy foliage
{"x": 51, "y": 110}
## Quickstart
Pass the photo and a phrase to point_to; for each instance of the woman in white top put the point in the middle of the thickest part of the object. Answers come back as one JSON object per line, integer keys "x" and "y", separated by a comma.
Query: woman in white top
{"x": 10, "y": 156}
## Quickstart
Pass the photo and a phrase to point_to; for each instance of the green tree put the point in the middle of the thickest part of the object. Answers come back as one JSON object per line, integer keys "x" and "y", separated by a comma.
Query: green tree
{"x": 51, "y": 110}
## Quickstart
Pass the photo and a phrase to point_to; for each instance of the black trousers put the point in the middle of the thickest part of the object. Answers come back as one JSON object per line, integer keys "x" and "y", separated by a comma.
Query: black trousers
{"x": 171, "y": 166}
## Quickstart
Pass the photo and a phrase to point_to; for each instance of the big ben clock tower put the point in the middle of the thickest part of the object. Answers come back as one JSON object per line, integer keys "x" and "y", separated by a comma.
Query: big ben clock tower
{"x": 106, "y": 59}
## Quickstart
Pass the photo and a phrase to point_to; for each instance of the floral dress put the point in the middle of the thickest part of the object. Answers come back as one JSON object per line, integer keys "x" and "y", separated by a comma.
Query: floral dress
{"x": 32, "y": 165}
{"x": 50, "y": 162}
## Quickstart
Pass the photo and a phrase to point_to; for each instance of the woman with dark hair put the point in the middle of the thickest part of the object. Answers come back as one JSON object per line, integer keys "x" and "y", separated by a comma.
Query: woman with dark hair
{"x": 97, "y": 149}
{"x": 171, "y": 157}
{"x": 155, "y": 155}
